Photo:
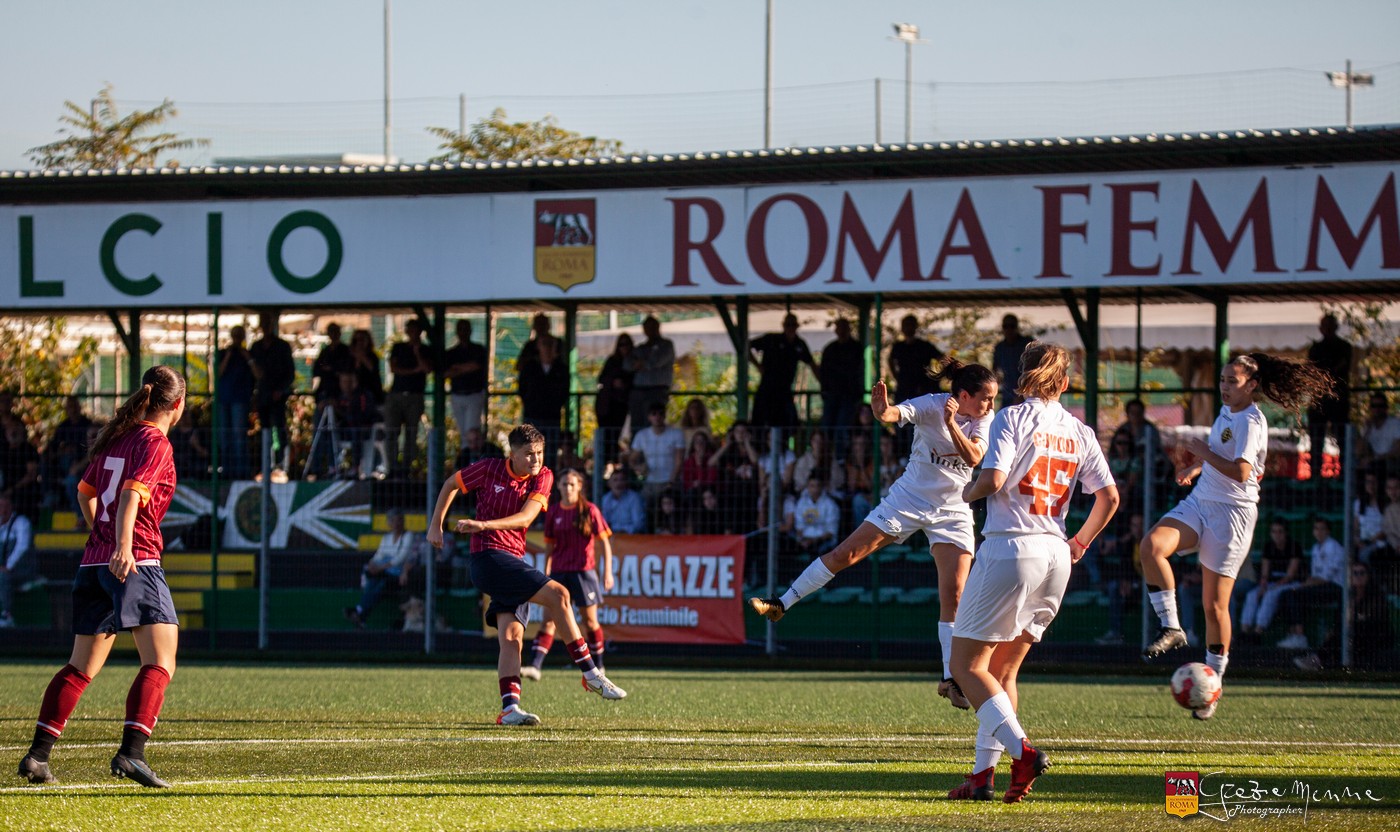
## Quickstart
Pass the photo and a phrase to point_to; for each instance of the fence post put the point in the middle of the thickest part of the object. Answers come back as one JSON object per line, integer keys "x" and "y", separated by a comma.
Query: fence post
{"x": 429, "y": 554}
{"x": 1149, "y": 488}
{"x": 775, "y": 475}
{"x": 1348, "y": 438}
{"x": 264, "y": 535}
{"x": 211, "y": 623}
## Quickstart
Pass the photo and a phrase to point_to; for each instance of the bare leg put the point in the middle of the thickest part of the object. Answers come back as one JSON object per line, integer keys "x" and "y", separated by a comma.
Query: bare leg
{"x": 554, "y": 597}
{"x": 90, "y": 652}
{"x": 1164, "y": 540}
{"x": 156, "y": 644}
{"x": 511, "y": 635}
{"x": 1215, "y": 597}
{"x": 1005, "y": 665}
{"x": 858, "y": 545}
{"x": 953, "y": 565}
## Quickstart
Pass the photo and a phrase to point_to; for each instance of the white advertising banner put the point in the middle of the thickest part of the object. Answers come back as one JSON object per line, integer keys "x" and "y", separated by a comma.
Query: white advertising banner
{"x": 1262, "y": 226}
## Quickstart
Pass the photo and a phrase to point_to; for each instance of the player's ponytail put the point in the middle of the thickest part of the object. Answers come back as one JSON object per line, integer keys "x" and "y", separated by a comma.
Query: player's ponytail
{"x": 583, "y": 522}
{"x": 1044, "y": 369}
{"x": 161, "y": 389}
{"x": 964, "y": 377}
{"x": 1291, "y": 383}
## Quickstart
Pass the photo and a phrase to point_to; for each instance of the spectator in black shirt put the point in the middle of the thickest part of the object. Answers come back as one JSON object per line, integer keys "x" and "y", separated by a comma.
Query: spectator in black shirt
{"x": 910, "y": 358}
{"x": 333, "y": 360}
{"x": 68, "y": 445}
{"x": 544, "y": 391}
{"x": 275, "y": 371}
{"x": 365, "y": 362}
{"x": 410, "y": 361}
{"x": 466, "y": 372}
{"x": 778, "y": 355}
{"x": 355, "y": 415}
{"x": 614, "y": 393}
{"x": 191, "y": 455}
{"x": 234, "y": 392}
{"x": 842, "y": 378}
{"x": 1006, "y": 359}
{"x": 1333, "y": 355}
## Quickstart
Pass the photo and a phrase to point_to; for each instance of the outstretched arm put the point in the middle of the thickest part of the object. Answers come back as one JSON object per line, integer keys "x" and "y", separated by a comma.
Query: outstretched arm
{"x": 446, "y": 495}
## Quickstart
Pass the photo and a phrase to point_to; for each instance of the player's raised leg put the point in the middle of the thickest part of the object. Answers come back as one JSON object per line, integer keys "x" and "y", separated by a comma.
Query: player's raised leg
{"x": 860, "y": 544}
{"x": 1162, "y": 541}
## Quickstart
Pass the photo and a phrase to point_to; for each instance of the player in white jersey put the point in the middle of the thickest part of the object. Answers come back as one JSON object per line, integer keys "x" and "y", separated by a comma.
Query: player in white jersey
{"x": 950, "y": 436}
{"x": 1218, "y": 516}
{"x": 1036, "y": 452}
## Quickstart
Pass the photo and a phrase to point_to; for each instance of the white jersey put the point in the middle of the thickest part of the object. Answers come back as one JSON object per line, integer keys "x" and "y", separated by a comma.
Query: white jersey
{"x": 936, "y": 472}
{"x": 1044, "y": 452}
{"x": 1243, "y": 435}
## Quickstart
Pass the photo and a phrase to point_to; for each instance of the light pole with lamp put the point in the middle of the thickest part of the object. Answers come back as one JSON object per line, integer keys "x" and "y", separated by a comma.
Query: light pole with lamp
{"x": 1350, "y": 80}
{"x": 908, "y": 34}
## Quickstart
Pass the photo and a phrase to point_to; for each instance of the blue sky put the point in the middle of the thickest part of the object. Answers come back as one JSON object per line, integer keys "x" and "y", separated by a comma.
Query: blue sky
{"x": 538, "y": 57}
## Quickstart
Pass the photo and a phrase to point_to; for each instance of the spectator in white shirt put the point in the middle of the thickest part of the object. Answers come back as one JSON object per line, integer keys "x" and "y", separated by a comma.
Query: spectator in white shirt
{"x": 663, "y": 446}
{"x": 388, "y": 569}
{"x": 1322, "y": 587}
{"x": 1382, "y": 432}
{"x": 812, "y": 519}
{"x": 16, "y": 560}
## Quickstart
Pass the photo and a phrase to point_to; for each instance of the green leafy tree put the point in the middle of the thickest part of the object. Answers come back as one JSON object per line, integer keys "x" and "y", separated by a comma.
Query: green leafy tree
{"x": 496, "y": 139}
{"x": 34, "y": 366}
{"x": 101, "y": 138}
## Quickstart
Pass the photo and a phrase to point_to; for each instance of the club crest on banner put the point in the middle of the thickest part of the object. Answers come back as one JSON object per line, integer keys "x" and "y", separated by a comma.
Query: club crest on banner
{"x": 566, "y": 234}
{"x": 1183, "y": 793}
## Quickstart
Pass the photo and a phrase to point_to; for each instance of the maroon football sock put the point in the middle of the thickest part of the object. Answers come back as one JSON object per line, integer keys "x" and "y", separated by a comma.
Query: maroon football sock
{"x": 147, "y": 695}
{"x": 61, "y": 698}
{"x": 578, "y": 651}
{"x": 510, "y": 691}
{"x": 540, "y": 649}
{"x": 595, "y": 644}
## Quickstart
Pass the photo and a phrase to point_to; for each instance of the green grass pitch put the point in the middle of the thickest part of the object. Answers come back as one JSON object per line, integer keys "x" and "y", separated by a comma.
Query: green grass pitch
{"x": 416, "y": 747}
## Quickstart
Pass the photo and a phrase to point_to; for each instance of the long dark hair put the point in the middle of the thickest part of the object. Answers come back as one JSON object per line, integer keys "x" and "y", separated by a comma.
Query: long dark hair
{"x": 161, "y": 389}
{"x": 1291, "y": 383}
{"x": 583, "y": 522}
{"x": 964, "y": 377}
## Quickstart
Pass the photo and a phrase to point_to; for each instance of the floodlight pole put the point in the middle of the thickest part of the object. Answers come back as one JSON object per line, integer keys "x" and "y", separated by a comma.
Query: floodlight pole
{"x": 908, "y": 34}
{"x": 768, "y": 80}
{"x": 1350, "y": 80}
{"x": 388, "y": 95}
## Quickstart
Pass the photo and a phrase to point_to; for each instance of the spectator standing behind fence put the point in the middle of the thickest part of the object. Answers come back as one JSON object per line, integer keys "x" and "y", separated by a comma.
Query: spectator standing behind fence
{"x": 1280, "y": 569}
{"x": 68, "y": 445}
{"x": 544, "y": 391}
{"x": 664, "y": 447}
{"x": 365, "y": 361}
{"x": 1371, "y": 635}
{"x": 355, "y": 415}
{"x": 388, "y": 569}
{"x": 410, "y": 361}
{"x": 842, "y": 379}
{"x": 910, "y": 358}
{"x": 466, "y": 372}
{"x": 1006, "y": 358}
{"x": 234, "y": 389}
{"x": 191, "y": 457}
{"x": 653, "y": 365}
{"x": 777, "y": 356}
{"x": 16, "y": 558}
{"x": 275, "y": 372}
{"x": 333, "y": 359}
{"x": 614, "y": 393}
{"x": 1330, "y": 413}
{"x": 1328, "y": 569}
{"x": 1381, "y": 431}
{"x": 623, "y": 508}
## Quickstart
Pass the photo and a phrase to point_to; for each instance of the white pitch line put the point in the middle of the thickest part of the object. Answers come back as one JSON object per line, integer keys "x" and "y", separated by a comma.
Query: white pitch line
{"x": 746, "y": 740}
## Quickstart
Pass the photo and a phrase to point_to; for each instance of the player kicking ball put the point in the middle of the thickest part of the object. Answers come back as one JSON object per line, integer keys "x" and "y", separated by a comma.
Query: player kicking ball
{"x": 511, "y": 493}
{"x": 950, "y": 436}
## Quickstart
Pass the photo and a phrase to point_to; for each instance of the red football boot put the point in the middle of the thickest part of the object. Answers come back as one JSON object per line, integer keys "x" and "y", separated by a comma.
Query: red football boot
{"x": 1032, "y": 764}
{"x": 977, "y": 786}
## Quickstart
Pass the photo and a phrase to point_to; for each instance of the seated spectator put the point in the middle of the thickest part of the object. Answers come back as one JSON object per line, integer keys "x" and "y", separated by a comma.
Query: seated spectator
{"x": 698, "y": 471}
{"x": 20, "y": 469}
{"x": 667, "y": 518}
{"x": 1125, "y": 463}
{"x": 191, "y": 457}
{"x": 1280, "y": 570}
{"x": 622, "y": 507}
{"x": 68, "y": 445}
{"x": 388, "y": 569}
{"x": 786, "y": 462}
{"x": 892, "y": 464}
{"x": 818, "y": 461}
{"x": 1384, "y": 564}
{"x": 860, "y": 474}
{"x": 1368, "y": 518}
{"x": 695, "y": 418}
{"x": 664, "y": 446}
{"x": 1121, "y": 568}
{"x": 28, "y": 493}
{"x": 16, "y": 558}
{"x": 812, "y": 520}
{"x": 737, "y": 461}
{"x": 1381, "y": 430}
{"x": 1323, "y": 586}
{"x": 475, "y": 448}
{"x": 1371, "y": 635}
{"x": 709, "y": 517}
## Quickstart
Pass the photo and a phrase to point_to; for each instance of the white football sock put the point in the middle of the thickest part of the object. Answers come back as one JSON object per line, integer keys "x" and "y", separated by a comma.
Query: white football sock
{"x": 1217, "y": 662}
{"x": 989, "y": 750}
{"x": 1164, "y": 603}
{"x": 813, "y": 578}
{"x": 945, "y": 640}
{"x": 998, "y": 718}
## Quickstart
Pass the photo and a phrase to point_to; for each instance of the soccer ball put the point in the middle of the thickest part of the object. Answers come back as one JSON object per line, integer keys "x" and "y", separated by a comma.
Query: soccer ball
{"x": 1195, "y": 685}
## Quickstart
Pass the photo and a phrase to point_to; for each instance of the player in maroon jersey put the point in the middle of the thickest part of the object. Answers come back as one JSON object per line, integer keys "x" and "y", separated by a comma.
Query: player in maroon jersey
{"x": 511, "y": 493}
{"x": 120, "y": 584}
{"x": 570, "y": 527}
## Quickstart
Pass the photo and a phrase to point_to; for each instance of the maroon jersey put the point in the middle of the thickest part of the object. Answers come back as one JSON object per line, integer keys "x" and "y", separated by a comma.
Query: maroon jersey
{"x": 141, "y": 461}
{"x": 572, "y": 551}
{"x": 500, "y": 493}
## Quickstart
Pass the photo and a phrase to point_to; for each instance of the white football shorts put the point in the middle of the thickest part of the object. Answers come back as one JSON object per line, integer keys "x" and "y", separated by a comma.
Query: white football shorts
{"x": 1225, "y": 531}
{"x": 1016, "y": 585}
{"x": 900, "y": 516}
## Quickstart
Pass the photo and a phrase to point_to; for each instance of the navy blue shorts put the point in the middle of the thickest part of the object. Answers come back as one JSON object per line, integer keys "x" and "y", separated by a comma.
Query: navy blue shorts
{"x": 103, "y": 604}
{"x": 509, "y": 580}
{"x": 583, "y": 587}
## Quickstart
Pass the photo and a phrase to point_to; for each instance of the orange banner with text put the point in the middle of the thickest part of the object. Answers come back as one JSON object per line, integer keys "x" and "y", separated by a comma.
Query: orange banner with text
{"x": 676, "y": 589}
